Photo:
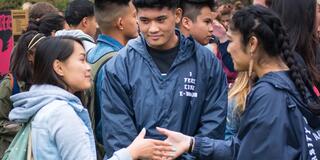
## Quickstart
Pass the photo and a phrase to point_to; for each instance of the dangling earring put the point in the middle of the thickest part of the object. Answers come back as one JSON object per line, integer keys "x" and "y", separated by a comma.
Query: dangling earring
{"x": 250, "y": 64}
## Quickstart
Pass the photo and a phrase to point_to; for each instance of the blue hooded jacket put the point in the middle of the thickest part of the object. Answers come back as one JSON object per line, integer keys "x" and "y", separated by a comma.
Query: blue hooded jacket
{"x": 273, "y": 126}
{"x": 191, "y": 98}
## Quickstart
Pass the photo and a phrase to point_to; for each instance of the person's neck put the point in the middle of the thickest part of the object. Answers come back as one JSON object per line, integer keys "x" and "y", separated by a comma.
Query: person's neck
{"x": 81, "y": 29}
{"x": 117, "y": 36}
{"x": 77, "y": 28}
{"x": 274, "y": 65}
{"x": 184, "y": 31}
{"x": 72, "y": 27}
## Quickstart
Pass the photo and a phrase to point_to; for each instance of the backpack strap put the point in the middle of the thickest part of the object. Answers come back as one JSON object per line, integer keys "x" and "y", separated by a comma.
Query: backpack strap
{"x": 14, "y": 84}
{"x": 96, "y": 66}
{"x": 29, "y": 147}
{"x": 86, "y": 39}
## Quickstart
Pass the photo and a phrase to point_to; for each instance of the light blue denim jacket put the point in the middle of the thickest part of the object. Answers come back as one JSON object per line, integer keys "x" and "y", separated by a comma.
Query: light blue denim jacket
{"x": 61, "y": 129}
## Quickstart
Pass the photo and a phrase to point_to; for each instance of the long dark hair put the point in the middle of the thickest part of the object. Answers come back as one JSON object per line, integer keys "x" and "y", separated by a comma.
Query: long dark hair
{"x": 267, "y": 27}
{"x": 20, "y": 66}
{"x": 298, "y": 17}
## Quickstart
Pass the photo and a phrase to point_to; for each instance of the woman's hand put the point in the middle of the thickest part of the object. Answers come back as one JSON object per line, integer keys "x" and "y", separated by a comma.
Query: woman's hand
{"x": 142, "y": 148}
{"x": 180, "y": 141}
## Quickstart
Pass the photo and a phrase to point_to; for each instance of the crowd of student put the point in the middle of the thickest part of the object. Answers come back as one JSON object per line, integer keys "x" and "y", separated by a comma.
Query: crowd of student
{"x": 178, "y": 79}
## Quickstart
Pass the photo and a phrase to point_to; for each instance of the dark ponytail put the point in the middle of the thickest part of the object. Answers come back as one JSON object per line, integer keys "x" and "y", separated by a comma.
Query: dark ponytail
{"x": 47, "y": 24}
{"x": 33, "y": 25}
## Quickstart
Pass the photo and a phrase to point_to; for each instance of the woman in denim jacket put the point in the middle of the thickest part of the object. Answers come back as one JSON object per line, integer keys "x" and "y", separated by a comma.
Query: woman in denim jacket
{"x": 61, "y": 128}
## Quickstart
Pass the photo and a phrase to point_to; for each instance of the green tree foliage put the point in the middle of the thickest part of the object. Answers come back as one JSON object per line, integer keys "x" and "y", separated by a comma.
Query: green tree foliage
{"x": 16, "y": 4}
{"x": 9, "y": 4}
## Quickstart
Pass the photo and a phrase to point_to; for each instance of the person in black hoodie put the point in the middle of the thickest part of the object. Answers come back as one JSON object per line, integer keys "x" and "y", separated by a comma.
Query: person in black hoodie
{"x": 281, "y": 118}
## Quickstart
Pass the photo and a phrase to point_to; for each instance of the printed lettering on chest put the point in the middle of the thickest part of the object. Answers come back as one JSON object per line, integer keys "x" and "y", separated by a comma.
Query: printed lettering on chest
{"x": 189, "y": 87}
{"x": 312, "y": 138}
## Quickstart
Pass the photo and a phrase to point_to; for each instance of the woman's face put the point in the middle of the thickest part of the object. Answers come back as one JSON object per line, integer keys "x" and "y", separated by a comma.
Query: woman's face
{"x": 76, "y": 71}
{"x": 240, "y": 57}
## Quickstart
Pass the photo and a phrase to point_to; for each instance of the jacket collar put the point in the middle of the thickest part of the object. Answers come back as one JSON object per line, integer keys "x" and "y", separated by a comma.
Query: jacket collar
{"x": 116, "y": 45}
{"x": 187, "y": 48}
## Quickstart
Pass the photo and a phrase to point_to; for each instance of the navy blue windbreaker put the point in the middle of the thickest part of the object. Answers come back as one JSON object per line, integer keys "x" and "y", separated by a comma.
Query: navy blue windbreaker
{"x": 271, "y": 127}
{"x": 191, "y": 98}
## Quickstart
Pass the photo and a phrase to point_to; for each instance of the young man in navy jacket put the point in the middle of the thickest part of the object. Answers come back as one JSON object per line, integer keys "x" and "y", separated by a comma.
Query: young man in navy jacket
{"x": 162, "y": 79}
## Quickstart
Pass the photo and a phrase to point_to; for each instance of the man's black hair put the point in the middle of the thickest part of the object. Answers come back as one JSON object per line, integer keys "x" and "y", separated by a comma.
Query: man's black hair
{"x": 107, "y": 11}
{"x": 192, "y": 8}
{"x": 100, "y": 4}
{"x": 170, "y": 4}
{"x": 77, "y": 10}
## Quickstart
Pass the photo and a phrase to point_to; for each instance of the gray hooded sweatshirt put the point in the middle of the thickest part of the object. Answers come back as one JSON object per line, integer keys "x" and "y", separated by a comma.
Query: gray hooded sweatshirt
{"x": 87, "y": 40}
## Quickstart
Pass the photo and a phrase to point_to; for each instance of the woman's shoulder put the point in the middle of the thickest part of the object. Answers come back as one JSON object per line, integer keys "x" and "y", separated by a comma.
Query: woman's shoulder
{"x": 272, "y": 84}
{"x": 263, "y": 94}
{"x": 54, "y": 111}
{"x": 262, "y": 89}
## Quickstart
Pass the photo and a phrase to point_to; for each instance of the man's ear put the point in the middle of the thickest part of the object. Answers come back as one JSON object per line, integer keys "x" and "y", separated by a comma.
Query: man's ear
{"x": 84, "y": 22}
{"x": 120, "y": 24}
{"x": 58, "y": 68}
{"x": 178, "y": 15}
{"x": 186, "y": 23}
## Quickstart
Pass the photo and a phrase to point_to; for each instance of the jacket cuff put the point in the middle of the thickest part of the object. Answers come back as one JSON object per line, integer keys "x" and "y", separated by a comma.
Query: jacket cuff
{"x": 122, "y": 154}
{"x": 197, "y": 147}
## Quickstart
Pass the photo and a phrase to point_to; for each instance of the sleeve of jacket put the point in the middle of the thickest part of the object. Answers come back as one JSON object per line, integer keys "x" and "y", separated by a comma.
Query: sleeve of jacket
{"x": 214, "y": 110}
{"x": 118, "y": 126}
{"x": 264, "y": 127}
{"x": 208, "y": 149}
{"x": 6, "y": 127}
{"x": 122, "y": 154}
